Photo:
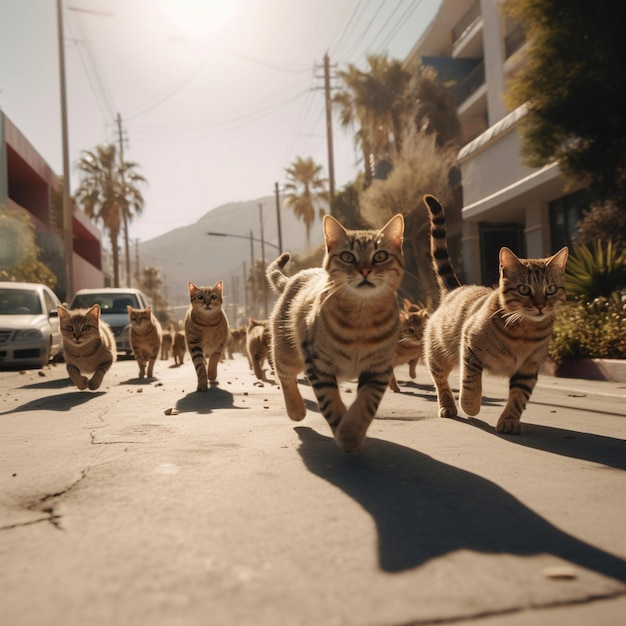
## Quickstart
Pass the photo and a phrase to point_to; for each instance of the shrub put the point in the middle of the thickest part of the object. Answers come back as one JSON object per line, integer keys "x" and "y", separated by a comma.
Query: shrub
{"x": 595, "y": 329}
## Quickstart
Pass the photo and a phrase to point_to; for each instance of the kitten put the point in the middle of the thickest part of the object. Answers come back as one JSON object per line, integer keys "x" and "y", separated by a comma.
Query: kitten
{"x": 340, "y": 322}
{"x": 179, "y": 347}
{"x": 505, "y": 330}
{"x": 410, "y": 345}
{"x": 145, "y": 338}
{"x": 258, "y": 345}
{"x": 206, "y": 331}
{"x": 238, "y": 341}
{"x": 88, "y": 345}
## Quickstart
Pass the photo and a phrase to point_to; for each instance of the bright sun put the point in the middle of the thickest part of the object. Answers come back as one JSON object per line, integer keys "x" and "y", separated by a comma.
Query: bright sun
{"x": 198, "y": 16}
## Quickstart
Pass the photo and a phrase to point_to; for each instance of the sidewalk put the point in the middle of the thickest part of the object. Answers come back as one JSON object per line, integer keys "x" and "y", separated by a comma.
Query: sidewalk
{"x": 147, "y": 503}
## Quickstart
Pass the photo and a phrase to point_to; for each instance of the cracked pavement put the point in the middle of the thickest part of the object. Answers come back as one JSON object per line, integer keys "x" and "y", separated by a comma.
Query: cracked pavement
{"x": 147, "y": 502}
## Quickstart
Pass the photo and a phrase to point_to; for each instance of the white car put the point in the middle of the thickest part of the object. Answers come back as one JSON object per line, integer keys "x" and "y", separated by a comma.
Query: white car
{"x": 30, "y": 332}
{"x": 113, "y": 303}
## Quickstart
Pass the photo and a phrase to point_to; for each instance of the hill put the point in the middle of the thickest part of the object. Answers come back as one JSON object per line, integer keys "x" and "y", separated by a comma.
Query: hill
{"x": 187, "y": 253}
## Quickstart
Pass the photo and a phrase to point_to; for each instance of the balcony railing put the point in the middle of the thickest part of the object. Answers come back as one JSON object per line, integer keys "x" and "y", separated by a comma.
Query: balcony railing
{"x": 466, "y": 87}
{"x": 466, "y": 22}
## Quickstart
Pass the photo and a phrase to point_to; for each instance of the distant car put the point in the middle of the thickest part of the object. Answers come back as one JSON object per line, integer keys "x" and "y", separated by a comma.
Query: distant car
{"x": 30, "y": 331}
{"x": 113, "y": 303}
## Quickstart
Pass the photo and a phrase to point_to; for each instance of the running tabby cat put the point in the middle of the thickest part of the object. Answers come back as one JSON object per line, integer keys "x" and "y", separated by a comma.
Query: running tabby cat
{"x": 88, "y": 346}
{"x": 206, "y": 331}
{"x": 340, "y": 322}
{"x": 145, "y": 338}
{"x": 258, "y": 345}
{"x": 410, "y": 345}
{"x": 505, "y": 330}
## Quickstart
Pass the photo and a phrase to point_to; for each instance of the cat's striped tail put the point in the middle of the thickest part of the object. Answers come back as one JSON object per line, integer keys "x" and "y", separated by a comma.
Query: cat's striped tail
{"x": 446, "y": 276}
{"x": 275, "y": 275}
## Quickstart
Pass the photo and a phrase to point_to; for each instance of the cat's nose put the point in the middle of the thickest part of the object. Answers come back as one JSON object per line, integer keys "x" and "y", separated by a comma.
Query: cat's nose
{"x": 540, "y": 305}
{"x": 366, "y": 271}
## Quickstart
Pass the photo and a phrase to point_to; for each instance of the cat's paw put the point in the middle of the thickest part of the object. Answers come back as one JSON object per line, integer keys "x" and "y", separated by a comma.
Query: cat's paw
{"x": 509, "y": 426}
{"x": 349, "y": 440}
{"x": 448, "y": 411}
{"x": 202, "y": 387}
{"x": 82, "y": 383}
{"x": 296, "y": 411}
{"x": 471, "y": 404}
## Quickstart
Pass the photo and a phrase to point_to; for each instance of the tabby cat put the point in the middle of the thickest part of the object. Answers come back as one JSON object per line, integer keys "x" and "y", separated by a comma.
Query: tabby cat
{"x": 166, "y": 342}
{"x": 238, "y": 341}
{"x": 340, "y": 322}
{"x": 206, "y": 331}
{"x": 258, "y": 345}
{"x": 410, "y": 345}
{"x": 88, "y": 346}
{"x": 505, "y": 330}
{"x": 145, "y": 338}
{"x": 179, "y": 347}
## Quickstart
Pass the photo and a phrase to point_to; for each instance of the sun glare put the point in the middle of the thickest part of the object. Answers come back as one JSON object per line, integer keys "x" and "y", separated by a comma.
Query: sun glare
{"x": 198, "y": 16}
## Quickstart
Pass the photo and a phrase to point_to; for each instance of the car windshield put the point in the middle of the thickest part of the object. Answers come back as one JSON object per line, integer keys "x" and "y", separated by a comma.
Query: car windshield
{"x": 109, "y": 302}
{"x": 19, "y": 302}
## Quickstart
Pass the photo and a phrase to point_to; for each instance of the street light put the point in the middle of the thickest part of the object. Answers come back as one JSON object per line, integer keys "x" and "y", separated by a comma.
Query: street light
{"x": 262, "y": 241}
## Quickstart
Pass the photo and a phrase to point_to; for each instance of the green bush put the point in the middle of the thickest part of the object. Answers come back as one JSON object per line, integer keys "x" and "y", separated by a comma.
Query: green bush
{"x": 595, "y": 329}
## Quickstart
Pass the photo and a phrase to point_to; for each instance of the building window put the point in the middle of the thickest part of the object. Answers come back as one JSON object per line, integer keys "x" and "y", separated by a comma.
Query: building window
{"x": 565, "y": 215}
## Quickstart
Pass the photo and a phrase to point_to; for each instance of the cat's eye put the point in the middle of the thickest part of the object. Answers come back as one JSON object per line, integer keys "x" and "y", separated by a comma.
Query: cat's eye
{"x": 524, "y": 290}
{"x": 213, "y": 297}
{"x": 381, "y": 256}
{"x": 199, "y": 297}
{"x": 551, "y": 289}
{"x": 85, "y": 328}
{"x": 69, "y": 328}
{"x": 347, "y": 257}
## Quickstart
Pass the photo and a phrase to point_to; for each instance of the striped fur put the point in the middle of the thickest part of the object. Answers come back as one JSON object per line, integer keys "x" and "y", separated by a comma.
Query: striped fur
{"x": 340, "y": 322}
{"x": 505, "y": 330}
{"x": 88, "y": 346}
{"x": 258, "y": 345}
{"x": 206, "y": 331}
{"x": 410, "y": 346}
{"x": 145, "y": 338}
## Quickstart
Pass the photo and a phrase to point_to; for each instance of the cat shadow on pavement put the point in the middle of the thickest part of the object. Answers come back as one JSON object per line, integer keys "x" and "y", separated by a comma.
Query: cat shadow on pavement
{"x": 425, "y": 509}
{"x": 572, "y": 443}
{"x": 213, "y": 399}
{"x": 61, "y": 402}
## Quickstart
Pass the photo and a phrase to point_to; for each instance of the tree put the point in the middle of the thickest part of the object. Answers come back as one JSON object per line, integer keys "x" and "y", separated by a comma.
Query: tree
{"x": 376, "y": 100}
{"x": 572, "y": 88}
{"x": 150, "y": 283}
{"x": 305, "y": 191}
{"x": 109, "y": 193}
{"x": 19, "y": 251}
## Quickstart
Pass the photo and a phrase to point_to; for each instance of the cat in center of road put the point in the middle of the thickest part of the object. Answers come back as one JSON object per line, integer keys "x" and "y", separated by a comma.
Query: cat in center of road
{"x": 88, "y": 346}
{"x": 504, "y": 330}
{"x": 340, "y": 322}
{"x": 206, "y": 331}
{"x": 145, "y": 338}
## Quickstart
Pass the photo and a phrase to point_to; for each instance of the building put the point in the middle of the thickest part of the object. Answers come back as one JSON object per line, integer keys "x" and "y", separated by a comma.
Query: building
{"x": 27, "y": 183}
{"x": 476, "y": 48}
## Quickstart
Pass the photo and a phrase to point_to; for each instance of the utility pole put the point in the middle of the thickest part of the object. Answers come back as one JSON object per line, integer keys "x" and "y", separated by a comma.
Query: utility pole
{"x": 124, "y": 208}
{"x": 68, "y": 236}
{"x": 329, "y": 128}
{"x": 252, "y": 275}
{"x": 265, "y": 307}
{"x": 280, "y": 229}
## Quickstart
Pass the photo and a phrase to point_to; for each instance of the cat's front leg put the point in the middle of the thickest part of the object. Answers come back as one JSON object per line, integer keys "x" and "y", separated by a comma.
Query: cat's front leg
{"x": 98, "y": 376}
{"x": 214, "y": 359}
{"x": 141, "y": 361}
{"x": 77, "y": 378}
{"x": 439, "y": 372}
{"x": 326, "y": 391}
{"x": 521, "y": 386}
{"x": 351, "y": 431}
{"x": 393, "y": 383}
{"x": 471, "y": 382}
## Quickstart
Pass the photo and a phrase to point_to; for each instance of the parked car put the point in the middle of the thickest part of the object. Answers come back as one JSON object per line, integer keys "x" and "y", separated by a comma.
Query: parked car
{"x": 113, "y": 303}
{"x": 30, "y": 331}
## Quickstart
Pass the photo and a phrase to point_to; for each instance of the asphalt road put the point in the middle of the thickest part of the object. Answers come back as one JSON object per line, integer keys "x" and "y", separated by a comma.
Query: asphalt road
{"x": 148, "y": 503}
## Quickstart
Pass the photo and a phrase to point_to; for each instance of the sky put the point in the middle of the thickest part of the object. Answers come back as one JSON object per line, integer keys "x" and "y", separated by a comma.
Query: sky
{"x": 216, "y": 97}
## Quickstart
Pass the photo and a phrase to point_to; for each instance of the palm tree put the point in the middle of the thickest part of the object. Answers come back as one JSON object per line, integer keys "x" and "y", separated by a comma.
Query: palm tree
{"x": 304, "y": 189}
{"x": 377, "y": 101}
{"x": 108, "y": 192}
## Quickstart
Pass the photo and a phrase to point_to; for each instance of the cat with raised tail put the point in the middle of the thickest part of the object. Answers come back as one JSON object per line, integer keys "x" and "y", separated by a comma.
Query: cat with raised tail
{"x": 88, "y": 346}
{"x": 206, "y": 331}
{"x": 340, "y": 322}
{"x": 504, "y": 330}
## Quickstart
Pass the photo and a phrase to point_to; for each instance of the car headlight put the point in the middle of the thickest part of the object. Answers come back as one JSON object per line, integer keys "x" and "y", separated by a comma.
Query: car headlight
{"x": 30, "y": 334}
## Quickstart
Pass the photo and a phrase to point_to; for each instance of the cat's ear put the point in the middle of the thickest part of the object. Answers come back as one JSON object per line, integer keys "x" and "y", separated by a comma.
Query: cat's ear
{"x": 508, "y": 258}
{"x": 192, "y": 289}
{"x": 393, "y": 231}
{"x": 334, "y": 232}
{"x": 404, "y": 315}
{"x": 94, "y": 311}
{"x": 559, "y": 259}
{"x": 219, "y": 285}
{"x": 62, "y": 311}
{"x": 148, "y": 309}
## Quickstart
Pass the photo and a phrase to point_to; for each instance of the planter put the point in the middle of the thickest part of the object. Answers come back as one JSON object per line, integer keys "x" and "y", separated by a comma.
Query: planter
{"x": 613, "y": 370}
